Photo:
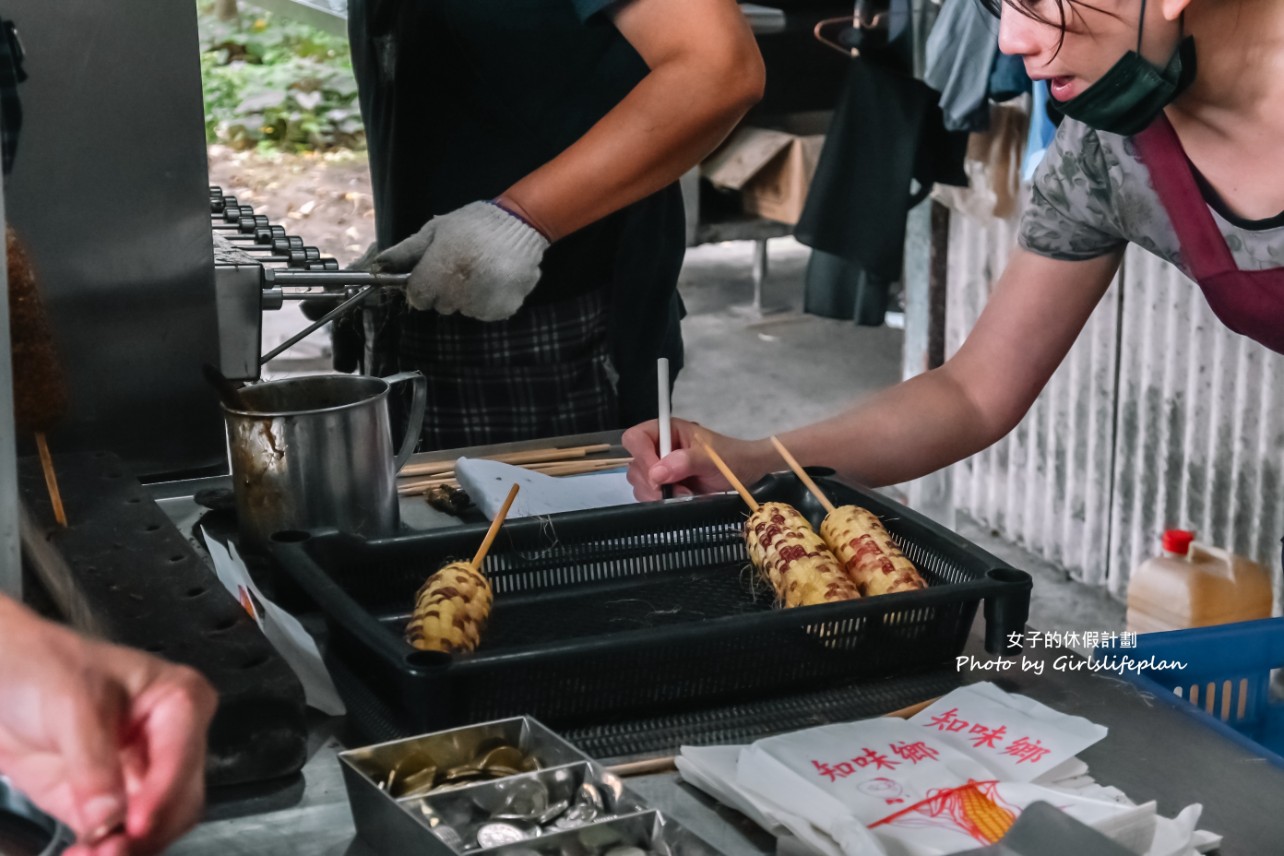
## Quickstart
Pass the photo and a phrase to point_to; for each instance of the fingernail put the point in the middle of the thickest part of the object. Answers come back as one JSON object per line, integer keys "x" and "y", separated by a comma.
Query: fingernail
{"x": 102, "y": 815}
{"x": 659, "y": 474}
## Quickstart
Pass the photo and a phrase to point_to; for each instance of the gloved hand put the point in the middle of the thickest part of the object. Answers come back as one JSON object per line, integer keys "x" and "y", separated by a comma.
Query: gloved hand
{"x": 479, "y": 260}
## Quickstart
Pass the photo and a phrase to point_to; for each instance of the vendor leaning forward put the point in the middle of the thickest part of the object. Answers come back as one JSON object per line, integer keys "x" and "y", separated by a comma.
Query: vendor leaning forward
{"x": 1182, "y": 159}
{"x": 524, "y": 155}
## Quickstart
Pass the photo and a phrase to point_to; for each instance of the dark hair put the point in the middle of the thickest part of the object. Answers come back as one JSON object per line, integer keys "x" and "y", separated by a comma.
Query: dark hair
{"x": 994, "y": 7}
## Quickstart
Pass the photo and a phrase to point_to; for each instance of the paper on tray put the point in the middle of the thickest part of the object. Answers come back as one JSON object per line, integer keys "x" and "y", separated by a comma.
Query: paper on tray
{"x": 907, "y": 788}
{"x": 295, "y": 645}
{"x": 887, "y": 783}
{"x": 1017, "y": 737}
{"x": 487, "y": 484}
{"x": 712, "y": 769}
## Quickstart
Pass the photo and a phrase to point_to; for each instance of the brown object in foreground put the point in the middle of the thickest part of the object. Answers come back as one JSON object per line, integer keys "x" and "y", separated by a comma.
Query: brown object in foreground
{"x": 39, "y": 389}
{"x": 868, "y": 553}
{"x": 789, "y": 554}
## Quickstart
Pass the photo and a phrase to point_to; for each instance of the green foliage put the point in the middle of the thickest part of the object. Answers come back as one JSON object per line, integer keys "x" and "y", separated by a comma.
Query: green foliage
{"x": 277, "y": 84}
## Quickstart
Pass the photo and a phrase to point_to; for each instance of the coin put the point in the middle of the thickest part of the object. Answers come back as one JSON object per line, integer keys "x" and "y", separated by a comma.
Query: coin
{"x": 464, "y": 772}
{"x": 418, "y": 783}
{"x": 588, "y": 794}
{"x": 527, "y": 797}
{"x": 577, "y": 815}
{"x": 506, "y": 756}
{"x": 450, "y": 836}
{"x": 496, "y": 833}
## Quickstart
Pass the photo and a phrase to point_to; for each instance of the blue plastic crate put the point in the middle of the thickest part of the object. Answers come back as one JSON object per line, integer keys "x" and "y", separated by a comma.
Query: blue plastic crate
{"x": 1226, "y": 679}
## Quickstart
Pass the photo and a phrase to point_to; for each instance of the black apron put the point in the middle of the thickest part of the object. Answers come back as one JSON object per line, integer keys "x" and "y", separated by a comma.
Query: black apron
{"x": 461, "y": 98}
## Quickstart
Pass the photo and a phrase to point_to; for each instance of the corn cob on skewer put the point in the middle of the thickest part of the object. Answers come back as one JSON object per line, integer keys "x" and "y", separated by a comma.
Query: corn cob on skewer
{"x": 867, "y": 552}
{"x": 451, "y": 609}
{"x": 789, "y": 554}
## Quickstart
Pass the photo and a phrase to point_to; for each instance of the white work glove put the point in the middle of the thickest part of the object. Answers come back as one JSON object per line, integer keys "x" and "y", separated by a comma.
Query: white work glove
{"x": 478, "y": 260}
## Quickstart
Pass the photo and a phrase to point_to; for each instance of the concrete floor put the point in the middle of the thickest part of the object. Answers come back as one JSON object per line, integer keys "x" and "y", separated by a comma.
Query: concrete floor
{"x": 750, "y": 375}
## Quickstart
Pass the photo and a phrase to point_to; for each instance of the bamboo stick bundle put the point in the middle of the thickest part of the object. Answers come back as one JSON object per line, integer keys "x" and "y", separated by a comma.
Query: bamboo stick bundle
{"x": 411, "y": 487}
{"x": 529, "y": 456}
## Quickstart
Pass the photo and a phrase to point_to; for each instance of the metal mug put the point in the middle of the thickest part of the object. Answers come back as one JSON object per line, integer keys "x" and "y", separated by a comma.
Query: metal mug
{"x": 316, "y": 452}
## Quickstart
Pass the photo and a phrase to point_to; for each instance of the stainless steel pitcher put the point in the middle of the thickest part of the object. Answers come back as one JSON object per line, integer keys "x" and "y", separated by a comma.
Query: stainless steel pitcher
{"x": 316, "y": 452}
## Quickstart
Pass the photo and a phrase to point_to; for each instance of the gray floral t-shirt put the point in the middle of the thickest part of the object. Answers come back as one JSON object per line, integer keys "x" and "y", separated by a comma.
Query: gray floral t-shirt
{"x": 1092, "y": 194}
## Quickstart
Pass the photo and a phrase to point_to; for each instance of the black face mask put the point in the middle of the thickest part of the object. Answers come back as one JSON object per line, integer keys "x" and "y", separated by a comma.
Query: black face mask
{"x": 1134, "y": 91}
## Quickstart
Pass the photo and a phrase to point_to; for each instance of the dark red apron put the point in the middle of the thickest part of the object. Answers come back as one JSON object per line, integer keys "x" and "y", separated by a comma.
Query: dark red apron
{"x": 1250, "y": 302}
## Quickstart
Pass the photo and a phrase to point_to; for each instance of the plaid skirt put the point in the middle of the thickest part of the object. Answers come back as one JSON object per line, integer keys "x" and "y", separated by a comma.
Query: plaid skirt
{"x": 544, "y": 372}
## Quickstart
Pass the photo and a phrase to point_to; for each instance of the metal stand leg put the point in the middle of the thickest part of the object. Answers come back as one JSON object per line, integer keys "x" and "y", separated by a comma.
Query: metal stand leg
{"x": 755, "y": 311}
{"x": 759, "y": 272}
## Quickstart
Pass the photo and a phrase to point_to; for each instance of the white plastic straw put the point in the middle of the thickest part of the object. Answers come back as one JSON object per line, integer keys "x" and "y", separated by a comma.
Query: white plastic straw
{"x": 662, "y": 391}
{"x": 666, "y": 433}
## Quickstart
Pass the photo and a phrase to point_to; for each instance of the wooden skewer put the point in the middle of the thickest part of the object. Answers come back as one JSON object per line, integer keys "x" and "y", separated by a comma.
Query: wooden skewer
{"x": 729, "y": 476}
{"x": 531, "y": 456}
{"x": 802, "y": 474}
{"x": 572, "y": 468}
{"x": 910, "y": 710}
{"x": 494, "y": 529}
{"x": 665, "y": 763}
{"x": 557, "y": 467}
{"x": 644, "y": 766}
{"x": 51, "y": 479}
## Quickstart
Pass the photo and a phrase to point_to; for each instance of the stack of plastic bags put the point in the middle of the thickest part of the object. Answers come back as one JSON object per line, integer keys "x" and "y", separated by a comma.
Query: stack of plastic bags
{"x": 952, "y": 778}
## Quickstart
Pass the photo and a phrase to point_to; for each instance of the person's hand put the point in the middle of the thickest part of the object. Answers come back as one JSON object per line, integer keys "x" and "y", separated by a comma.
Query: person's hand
{"x": 109, "y": 740}
{"x": 687, "y": 467}
{"x": 480, "y": 260}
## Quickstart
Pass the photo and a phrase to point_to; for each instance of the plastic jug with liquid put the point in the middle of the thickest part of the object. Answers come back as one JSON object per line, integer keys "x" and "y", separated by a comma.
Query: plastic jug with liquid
{"x": 1194, "y": 585}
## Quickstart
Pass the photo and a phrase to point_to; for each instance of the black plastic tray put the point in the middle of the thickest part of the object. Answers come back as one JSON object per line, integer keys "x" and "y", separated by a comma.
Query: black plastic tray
{"x": 640, "y": 610}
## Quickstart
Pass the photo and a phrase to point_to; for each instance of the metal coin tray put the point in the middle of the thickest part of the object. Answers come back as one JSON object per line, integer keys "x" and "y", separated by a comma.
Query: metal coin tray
{"x": 569, "y": 806}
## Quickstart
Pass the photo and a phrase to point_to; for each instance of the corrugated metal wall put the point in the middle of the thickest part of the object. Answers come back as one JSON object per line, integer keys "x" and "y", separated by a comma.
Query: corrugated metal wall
{"x": 1159, "y": 417}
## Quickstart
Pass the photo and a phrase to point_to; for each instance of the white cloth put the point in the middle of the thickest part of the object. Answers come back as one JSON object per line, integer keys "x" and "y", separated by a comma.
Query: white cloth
{"x": 487, "y": 484}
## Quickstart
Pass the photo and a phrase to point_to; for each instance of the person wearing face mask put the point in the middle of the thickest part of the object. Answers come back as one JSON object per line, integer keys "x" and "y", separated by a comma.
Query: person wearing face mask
{"x": 524, "y": 159}
{"x": 1171, "y": 131}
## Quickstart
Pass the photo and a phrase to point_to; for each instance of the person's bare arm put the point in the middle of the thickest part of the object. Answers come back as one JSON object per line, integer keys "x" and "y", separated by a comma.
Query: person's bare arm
{"x": 933, "y": 420}
{"x": 109, "y": 740}
{"x": 705, "y": 73}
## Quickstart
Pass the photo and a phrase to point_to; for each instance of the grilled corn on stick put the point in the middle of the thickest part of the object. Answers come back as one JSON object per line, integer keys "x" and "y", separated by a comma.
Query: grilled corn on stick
{"x": 452, "y": 606}
{"x": 868, "y": 553}
{"x": 451, "y": 609}
{"x": 789, "y": 554}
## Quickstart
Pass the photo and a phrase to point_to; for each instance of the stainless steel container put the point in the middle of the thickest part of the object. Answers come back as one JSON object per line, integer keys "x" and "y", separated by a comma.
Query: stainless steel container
{"x": 450, "y": 819}
{"x": 316, "y": 452}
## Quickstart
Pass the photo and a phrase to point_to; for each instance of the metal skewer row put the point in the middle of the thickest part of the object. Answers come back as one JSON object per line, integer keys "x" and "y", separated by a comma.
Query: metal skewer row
{"x": 268, "y": 245}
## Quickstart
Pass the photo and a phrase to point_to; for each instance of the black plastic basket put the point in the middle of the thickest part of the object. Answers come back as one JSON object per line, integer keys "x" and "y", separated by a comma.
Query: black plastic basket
{"x": 639, "y": 610}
